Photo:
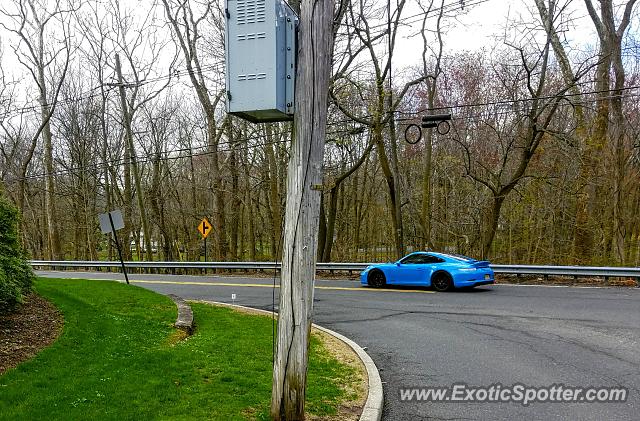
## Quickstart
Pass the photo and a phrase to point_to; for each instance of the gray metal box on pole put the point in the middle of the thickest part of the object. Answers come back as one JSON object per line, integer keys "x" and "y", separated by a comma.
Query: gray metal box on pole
{"x": 260, "y": 47}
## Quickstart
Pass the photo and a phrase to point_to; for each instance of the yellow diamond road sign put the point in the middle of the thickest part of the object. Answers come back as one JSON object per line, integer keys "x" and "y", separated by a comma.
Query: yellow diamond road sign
{"x": 204, "y": 227}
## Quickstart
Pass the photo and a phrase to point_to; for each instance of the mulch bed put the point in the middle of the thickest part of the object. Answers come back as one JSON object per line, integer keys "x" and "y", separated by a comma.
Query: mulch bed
{"x": 34, "y": 326}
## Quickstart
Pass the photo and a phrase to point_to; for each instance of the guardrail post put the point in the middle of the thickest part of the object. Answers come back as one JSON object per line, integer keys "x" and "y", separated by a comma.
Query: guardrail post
{"x": 606, "y": 281}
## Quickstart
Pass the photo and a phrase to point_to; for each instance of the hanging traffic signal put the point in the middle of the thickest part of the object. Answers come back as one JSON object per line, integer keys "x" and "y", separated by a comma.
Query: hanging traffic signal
{"x": 413, "y": 132}
{"x": 429, "y": 121}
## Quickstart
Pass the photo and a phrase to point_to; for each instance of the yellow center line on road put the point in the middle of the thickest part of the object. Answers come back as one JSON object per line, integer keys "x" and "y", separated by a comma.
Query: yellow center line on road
{"x": 227, "y": 284}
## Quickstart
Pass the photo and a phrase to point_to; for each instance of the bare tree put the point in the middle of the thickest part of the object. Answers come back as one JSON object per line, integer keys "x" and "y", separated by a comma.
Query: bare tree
{"x": 36, "y": 23}
{"x": 432, "y": 83}
{"x": 328, "y": 221}
{"x": 96, "y": 50}
{"x": 505, "y": 165}
{"x": 142, "y": 47}
{"x": 609, "y": 101}
{"x": 363, "y": 37}
{"x": 610, "y": 57}
{"x": 160, "y": 125}
{"x": 186, "y": 27}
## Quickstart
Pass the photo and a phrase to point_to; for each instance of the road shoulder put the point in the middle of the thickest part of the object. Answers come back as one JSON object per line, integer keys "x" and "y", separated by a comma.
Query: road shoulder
{"x": 372, "y": 408}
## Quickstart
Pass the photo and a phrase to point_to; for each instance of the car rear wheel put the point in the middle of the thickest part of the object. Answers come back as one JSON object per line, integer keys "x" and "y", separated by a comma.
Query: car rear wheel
{"x": 442, "y": 281}
{"x": 376, "y": 279}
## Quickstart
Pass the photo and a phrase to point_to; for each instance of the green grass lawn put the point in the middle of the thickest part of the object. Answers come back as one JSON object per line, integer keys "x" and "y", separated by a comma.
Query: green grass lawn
{"x": 120, "y": 358}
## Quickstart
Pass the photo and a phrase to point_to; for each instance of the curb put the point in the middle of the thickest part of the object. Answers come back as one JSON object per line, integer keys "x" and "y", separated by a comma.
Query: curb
{"x": 372, "y": 410}
{"x": 185, "y": 314}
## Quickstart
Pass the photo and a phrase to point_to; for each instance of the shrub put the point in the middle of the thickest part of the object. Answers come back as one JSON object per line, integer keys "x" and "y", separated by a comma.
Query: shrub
{"x": 16, "y": 275}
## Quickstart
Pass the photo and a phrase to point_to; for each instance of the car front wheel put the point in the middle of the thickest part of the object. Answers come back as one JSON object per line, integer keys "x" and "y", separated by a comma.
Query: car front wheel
{"x": 376, "y": 279}
{"x": 442, "y": 281}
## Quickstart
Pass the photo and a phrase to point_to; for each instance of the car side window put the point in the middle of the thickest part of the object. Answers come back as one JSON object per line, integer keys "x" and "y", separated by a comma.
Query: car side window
{"x": 431, "y": 259}
{"x": 414, "y": 259}
{"x": 420, "y": 259}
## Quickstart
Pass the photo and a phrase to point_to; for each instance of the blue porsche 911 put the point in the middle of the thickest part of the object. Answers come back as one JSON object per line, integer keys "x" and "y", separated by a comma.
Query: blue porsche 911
{"x": 439, "y": 270}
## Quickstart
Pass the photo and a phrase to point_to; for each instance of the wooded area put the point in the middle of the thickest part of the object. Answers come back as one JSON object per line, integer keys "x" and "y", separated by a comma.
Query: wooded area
{"x": 110, "y": 106}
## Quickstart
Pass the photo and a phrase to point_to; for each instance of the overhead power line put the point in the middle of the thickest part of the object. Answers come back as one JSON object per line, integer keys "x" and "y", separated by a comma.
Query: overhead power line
{"x": 414, "y": 114}
{"x": 168, "y": 156}
{"x": 407, "y": 20}
{"x": 522, "y": 100}
{"x": 95, "y": 93}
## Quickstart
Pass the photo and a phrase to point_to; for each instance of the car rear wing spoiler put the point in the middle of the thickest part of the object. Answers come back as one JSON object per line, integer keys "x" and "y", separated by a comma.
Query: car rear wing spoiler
{"x": 480, "y": 264}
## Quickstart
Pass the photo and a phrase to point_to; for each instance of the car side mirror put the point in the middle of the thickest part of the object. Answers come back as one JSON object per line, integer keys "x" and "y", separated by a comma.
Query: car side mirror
{"x": 397, "y": 263}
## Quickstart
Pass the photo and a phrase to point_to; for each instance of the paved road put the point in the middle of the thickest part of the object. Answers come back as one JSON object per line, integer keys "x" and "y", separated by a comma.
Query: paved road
{"x": 537, "y": 336}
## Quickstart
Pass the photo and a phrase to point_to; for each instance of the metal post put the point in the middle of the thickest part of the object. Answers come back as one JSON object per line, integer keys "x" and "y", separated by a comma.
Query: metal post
{"x": 205, "y": 255}
{"x": 115, "y": 236}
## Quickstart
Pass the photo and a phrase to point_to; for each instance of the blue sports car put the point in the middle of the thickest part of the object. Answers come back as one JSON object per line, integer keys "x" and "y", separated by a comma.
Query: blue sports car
{"x": 441, "y": 271}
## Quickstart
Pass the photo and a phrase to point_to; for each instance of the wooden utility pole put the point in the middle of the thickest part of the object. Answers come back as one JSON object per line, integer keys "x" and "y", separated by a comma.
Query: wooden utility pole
{"x": 134, "y": 164}
{"x": 304, "y": 188}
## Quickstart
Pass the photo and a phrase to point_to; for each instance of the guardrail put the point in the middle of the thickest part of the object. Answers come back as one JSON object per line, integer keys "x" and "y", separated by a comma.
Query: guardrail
{"x": 575, "y": 271}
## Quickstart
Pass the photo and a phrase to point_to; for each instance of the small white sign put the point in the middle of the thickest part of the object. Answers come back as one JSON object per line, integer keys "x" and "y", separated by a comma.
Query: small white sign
{"x": 105, "y": 224}
{"x": 233, "y": 297}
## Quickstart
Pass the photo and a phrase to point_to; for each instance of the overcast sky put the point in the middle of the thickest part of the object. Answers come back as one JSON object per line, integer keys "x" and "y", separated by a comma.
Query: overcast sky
{"x": 480, "y": 26}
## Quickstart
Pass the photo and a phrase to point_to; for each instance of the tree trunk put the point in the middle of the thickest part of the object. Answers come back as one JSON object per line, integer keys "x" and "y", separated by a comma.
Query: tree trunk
{"x": 392, "y": 189}
{"x": 336, "y": 191}
{"x": 425, "y": 214}
{"x": 55, "y": 250}
{"x": 126, "y": 116}
{"x": 275, "y": 213}
{"x": 235, "y": 199}
{"x": 620, "y": 152}
{"x": 397, "y": 203}
{"x": 609, "y": 54}
{"x": 219, "y": 233}
{"x": 583, "y": 242}
{"x": 248, "y": 200}
{"x": 358, "y": 209}
{"x": 331, "y": 223}
{"x": 322, "y": 230}
{"x": 157, "y": 206}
